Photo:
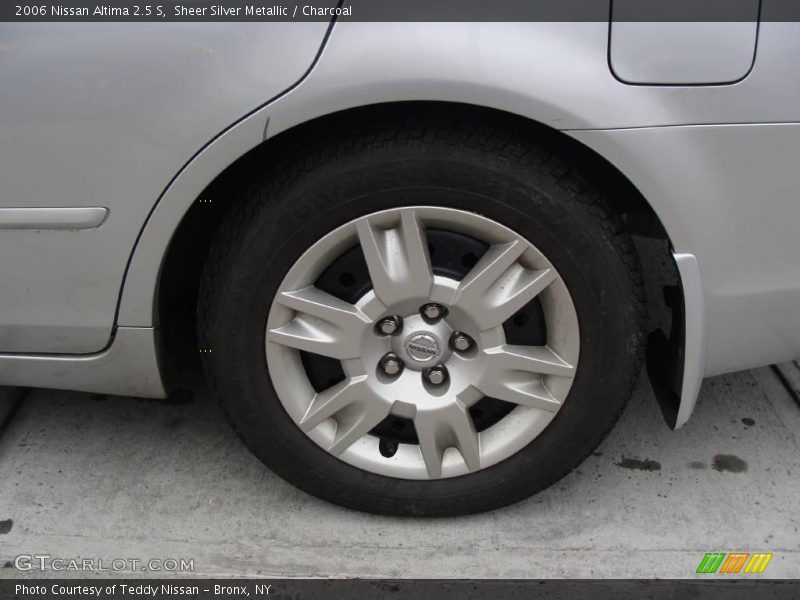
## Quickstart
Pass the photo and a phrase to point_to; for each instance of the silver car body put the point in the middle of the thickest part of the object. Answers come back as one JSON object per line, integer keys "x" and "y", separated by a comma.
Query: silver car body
{"x": 138, "y": 119}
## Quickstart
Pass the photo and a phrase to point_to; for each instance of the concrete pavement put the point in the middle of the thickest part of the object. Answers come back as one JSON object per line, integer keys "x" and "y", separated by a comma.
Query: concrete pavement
{"x": 107, "y": 477}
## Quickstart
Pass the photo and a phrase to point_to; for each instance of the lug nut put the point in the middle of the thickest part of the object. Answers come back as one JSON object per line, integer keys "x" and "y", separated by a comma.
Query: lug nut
{"x": 390, "y": 325}
{"x": 436, "y": 375}
{"x": 433, "y": 311}
{"x": 460, "y": 341}
{"x": 391, "y": 364}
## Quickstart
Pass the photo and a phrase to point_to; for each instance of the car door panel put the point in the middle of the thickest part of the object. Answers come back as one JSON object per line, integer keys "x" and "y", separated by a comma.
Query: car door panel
{"x": 104, "y": 116}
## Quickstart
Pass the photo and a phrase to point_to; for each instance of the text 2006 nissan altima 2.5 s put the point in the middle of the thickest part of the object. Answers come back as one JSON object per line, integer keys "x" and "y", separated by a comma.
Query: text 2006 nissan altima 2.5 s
{"x": 426, "y": 261}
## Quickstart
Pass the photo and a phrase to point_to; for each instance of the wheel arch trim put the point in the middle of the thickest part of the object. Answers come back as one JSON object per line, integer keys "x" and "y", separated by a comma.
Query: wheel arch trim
{"x": 139, "y": 298}
{"x": 138, "y": 306}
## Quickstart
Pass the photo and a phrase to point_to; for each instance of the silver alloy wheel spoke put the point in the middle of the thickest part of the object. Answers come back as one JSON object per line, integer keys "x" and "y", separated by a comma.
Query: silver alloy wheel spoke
{"x": 514, "y": 374}
{"x": 397, "y": 259}
{"x": 323, "y": 324}
{"x": 447, "y": 427}
{"x": 526, "y": 391}
{"x": 358, "y": 420}
{"x": 353, "y": 405}
{"x": 531, "y": 359}
{"x": 352, "y": 419}
{"x": 328, "y": 402}
{"x": 498, "y": 285}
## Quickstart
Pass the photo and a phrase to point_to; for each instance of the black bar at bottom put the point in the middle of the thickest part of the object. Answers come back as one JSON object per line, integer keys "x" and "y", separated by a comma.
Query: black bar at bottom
{"x": 733, "y": 588}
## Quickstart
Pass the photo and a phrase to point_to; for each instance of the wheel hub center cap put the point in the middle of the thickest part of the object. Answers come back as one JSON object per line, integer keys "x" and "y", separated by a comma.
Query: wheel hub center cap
{"x": 422, "y": 347}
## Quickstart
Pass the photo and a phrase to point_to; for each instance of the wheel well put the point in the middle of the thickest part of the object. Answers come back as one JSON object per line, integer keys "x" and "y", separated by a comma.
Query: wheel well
{"x": 186, "y": 255}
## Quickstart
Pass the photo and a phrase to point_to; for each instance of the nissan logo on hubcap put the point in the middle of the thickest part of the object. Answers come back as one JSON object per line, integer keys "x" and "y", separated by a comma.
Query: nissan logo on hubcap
{"x": 422, "y": 347}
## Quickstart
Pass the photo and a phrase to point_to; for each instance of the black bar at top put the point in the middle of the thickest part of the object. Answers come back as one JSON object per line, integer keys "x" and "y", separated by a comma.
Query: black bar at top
{"x": 403, "y": 10}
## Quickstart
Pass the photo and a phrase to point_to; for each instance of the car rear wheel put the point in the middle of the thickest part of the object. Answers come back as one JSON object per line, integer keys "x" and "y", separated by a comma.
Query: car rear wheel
{"x": 422, "y": 325}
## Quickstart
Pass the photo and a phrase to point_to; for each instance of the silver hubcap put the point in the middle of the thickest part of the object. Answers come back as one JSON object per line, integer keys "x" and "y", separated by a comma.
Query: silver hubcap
{"x": 447, "y": 361}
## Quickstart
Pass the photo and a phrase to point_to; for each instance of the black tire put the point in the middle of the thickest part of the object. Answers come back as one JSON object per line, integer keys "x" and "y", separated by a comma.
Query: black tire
{"x": 522, "y": 181}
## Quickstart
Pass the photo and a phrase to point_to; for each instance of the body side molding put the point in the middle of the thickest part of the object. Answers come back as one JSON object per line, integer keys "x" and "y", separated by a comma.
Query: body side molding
{"x": 61, "y": 218}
